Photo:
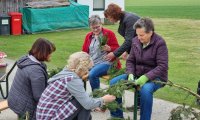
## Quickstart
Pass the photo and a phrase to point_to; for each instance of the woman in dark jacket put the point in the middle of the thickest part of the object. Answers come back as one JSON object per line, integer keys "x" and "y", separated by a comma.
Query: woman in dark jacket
{"x": 147, "y": 61}
{"x": 30, "y": 79}
{"x": 126, "y": 21}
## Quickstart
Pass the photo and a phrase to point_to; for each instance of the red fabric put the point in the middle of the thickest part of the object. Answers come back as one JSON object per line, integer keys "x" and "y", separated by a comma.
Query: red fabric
{"x": 112, "y": 42}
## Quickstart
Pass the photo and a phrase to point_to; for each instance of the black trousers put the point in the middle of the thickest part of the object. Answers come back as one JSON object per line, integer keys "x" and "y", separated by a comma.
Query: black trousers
{"x": 81, "y": 113}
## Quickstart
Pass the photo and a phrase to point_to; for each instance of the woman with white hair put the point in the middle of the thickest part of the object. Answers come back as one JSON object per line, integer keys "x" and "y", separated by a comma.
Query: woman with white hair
{"x": 65, "y": 97}
{"x": 98, "y": 43}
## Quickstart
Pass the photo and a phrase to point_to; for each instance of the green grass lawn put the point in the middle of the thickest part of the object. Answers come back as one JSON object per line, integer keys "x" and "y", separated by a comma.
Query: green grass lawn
{"x": 188, "y": 9}
{"x": 66, "y": 42}
{"x": 181, "y": 35}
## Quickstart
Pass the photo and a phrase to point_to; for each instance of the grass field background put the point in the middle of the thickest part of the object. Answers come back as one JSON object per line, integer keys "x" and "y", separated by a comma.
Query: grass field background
{"x": 187, "y": 9}
{"x": 177, "y": 21}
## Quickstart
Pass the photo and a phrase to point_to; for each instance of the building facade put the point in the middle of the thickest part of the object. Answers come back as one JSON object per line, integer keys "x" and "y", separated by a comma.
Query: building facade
{"x": 97, "y": 7}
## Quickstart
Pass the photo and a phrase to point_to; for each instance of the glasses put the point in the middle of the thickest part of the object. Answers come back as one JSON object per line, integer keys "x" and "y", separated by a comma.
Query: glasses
{"x": 95, "y": 27}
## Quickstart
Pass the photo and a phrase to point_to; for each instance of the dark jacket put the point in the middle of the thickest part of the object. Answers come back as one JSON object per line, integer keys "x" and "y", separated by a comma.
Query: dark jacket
{"x": 151, "y": 61}
{"x": 29, "y": 82}
{"x": 126, "y": 30}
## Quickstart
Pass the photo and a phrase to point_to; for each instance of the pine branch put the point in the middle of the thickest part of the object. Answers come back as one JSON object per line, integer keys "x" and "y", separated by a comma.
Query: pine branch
{"x": 183, "y": 112}
{"x": 52, "y": 72}
{"x": 117, "y": 90}
{"x": 170, "y": 83}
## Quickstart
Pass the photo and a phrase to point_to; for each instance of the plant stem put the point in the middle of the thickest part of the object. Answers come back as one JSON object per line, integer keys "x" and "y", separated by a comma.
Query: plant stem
{"x": 169, "y": 83}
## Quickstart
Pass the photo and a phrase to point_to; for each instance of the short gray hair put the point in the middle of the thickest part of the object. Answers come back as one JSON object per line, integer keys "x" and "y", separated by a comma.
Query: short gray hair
{"x": 145, "y": 23}
{"x": 94, "y": 20}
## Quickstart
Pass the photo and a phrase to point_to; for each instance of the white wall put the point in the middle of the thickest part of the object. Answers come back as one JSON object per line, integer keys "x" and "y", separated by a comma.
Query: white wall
{"x": 100, "y": 13}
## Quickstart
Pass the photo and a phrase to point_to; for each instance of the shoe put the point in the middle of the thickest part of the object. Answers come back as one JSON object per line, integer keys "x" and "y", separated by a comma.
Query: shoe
{"x": 115, "y": 118}
{"x": 131, "y": 108}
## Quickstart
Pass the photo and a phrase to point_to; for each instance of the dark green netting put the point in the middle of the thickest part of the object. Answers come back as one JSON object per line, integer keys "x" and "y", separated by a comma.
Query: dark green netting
{"x": 50, "y": 19}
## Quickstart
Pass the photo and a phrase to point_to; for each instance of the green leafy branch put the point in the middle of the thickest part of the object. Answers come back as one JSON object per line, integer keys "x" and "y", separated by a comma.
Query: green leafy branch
{"x": 113, "y": 72}
{"x": 183, "y": 112}
{"x": 118, "y": 89}
{"x": 103, "y": 40}
{"x": 52, "y": 72}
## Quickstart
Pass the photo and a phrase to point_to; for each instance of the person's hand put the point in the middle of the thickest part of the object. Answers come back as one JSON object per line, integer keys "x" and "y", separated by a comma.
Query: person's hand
{"x": 130, "y": 77}
{"x": 142, "y": 80}
{"x": 85, "y": 77}
{"x": 110, "y": 56}
{"x": 124, "y": 56}
{"x": 106, "y": 48}
{"x": 108, "y": 98}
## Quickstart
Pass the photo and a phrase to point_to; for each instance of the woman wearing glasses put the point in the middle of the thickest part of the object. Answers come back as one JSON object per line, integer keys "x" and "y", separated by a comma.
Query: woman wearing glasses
{"x": 98, "y": 43}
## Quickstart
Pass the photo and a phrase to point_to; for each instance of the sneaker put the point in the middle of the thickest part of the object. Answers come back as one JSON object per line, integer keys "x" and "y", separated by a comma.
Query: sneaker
{"x": 115, "y": 118}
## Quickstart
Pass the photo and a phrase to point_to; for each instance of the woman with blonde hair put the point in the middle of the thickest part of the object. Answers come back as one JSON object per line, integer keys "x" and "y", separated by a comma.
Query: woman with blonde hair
{"x": 65, "y": 97}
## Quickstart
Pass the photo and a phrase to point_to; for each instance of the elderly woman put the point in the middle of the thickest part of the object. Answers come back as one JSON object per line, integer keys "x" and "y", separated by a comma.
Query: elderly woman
{"x": 126, "y": 21}
{"x": 98, "y": 43}
{"x": 65, "y": 97}
{"x": 147, "y": 61}
{"x": 30, "y": 79}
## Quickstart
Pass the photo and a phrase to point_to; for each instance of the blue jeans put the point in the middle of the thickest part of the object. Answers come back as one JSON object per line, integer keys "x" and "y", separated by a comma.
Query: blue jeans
{"x": 96, "y": 72}
{"x": 146, "y": 98}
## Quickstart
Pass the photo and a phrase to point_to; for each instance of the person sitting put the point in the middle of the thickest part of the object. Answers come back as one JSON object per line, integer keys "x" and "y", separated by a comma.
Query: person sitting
{"x": 65, "y": 97}
{"x": 98, "y": 43}
{"x": 30, "y": 79}
{"x": 147, "y": 61}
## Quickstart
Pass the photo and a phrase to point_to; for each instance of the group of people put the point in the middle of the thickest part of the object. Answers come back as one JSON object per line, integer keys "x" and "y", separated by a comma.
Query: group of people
{"x": 63, "y": 97}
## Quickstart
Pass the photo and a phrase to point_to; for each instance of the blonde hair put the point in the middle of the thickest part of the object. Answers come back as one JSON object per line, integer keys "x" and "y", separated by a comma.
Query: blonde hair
{"x": 79, "y": 62}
